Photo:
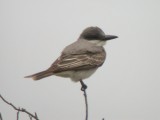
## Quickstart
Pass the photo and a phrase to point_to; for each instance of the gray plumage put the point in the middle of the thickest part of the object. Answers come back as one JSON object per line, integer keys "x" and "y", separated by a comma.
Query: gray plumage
{"x": 80, "y": 59}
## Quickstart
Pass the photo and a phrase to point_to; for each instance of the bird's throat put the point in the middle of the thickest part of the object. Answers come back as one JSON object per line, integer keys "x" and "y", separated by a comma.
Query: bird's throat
{"x": 98, "y": 42}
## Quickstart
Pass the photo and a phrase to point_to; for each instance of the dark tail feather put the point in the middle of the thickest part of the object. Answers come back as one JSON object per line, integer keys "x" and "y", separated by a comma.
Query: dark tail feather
{"x": 40, "y": 75}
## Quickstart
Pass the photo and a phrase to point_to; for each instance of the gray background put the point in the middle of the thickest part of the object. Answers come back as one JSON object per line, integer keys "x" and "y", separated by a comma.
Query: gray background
{"x": 126, "y": 87}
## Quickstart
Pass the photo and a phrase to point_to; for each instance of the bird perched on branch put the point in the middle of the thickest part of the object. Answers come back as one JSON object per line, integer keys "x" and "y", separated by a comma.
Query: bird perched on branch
{"x": 80, "y": 59}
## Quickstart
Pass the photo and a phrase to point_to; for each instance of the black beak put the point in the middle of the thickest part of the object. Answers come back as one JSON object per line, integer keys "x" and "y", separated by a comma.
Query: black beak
{"x": 110, "y": 37}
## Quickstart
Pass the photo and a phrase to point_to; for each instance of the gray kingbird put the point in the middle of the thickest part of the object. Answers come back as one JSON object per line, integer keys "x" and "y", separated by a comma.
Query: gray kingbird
{"x": 80, "y": 59}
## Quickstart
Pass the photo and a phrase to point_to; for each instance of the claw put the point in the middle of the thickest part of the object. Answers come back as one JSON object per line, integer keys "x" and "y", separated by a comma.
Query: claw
{"x": 84, "y": 86}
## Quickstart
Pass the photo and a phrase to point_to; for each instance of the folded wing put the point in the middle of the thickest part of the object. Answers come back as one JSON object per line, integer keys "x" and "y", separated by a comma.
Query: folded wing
{"x": 78, "y": 61}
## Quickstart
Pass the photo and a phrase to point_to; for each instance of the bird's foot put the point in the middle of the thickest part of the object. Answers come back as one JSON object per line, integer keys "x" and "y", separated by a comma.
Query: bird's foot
{"x": 84, "y": 86}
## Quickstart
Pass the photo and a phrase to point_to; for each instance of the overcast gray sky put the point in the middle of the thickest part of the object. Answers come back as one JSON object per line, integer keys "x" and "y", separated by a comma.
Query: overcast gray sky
{"x": 126, "y": 87}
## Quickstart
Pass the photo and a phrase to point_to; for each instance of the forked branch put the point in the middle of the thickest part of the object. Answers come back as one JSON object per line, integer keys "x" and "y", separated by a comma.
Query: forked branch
{"x": 19, "y": 110}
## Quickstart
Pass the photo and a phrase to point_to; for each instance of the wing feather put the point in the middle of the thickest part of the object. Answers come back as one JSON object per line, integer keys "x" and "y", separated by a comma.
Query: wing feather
{"x": 78, "y": 61}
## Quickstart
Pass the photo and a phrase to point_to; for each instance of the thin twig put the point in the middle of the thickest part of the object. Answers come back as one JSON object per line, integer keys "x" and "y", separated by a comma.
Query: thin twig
{"x": 1, "y": 117}
{"x": 30, "y": 117}
{"x": 18, "y": 115}
{"x": 84, "y": 87}
{"x": 20, "y": 109}
{"x": 86, "y": 102}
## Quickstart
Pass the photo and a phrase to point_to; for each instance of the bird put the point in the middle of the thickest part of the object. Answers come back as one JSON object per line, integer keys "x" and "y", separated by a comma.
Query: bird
{"x": 80, "y": 59}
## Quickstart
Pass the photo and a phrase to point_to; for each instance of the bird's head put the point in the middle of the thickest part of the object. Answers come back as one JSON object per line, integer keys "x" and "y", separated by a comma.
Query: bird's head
{"x": 96, "y": 35}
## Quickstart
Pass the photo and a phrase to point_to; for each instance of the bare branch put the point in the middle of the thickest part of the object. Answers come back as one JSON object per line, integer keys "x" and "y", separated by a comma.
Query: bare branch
{"x": 36, "y": 115}
{"x": 18, "y": 115}
{"x": 86, "y": 102}
{"x": 83, "y": 88}
{"x": 1, "y": 117}
{"x": 30, "y": 117}
{"x": 20, "y": 109}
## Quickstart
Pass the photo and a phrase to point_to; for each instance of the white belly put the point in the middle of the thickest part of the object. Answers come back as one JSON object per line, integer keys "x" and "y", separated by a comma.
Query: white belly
{"x": 77, "y": 75}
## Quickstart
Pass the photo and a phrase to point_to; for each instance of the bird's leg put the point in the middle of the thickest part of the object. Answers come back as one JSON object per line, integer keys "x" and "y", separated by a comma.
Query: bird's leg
{"x": 84, "y": 86}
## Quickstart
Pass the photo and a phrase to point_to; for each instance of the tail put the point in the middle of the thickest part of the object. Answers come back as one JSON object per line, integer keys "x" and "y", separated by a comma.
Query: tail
{"x": 40, "y": 75}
